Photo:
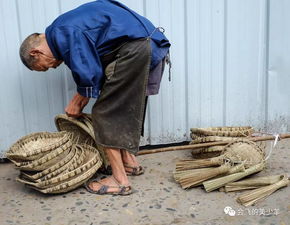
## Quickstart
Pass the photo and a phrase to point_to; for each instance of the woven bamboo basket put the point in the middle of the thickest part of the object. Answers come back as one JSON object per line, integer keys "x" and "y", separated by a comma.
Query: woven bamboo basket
{"x": 70, "y": 180}
{"x": 36, "y": 145}
{"x": 244, "y": 151}
{"x": 88, "y": 122}
{"x": 72, "y": 184}
{"x": 236, "y": 152}
{"x": 203, "y": 152}
{"x": 77, "y": 160}
{"x": 82, "y": 130}
{"x": 204, "y": 139}
{"x": 47, "y": 160}
{"x": 224, "y": 131}
{"x": 92, "y": 157}
{"x": 88, "y": 116}
{"x": 61, "y": 165}
{"x": 82, "y": 134}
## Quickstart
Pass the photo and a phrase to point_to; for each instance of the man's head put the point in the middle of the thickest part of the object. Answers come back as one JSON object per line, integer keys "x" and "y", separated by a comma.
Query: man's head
{"x": 36, "y": 54}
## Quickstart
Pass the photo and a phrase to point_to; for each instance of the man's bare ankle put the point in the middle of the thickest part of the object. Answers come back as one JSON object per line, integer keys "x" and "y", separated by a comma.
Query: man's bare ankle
{"x": 122, "y": 180}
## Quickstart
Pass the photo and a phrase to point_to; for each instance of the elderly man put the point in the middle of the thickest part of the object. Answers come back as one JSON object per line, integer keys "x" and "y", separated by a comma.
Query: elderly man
{"x": 116, "y": 56}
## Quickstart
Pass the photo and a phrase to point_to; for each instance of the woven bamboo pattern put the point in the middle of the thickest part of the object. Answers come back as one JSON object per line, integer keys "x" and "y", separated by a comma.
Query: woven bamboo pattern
{"x": 82, "y": 132}
{"x": 237, "y": 160}
{"x": 74, "y": 183}
{"x": 244, "y": 151}
{"x": 35, "y": 145}
{"x": 70, "y": 180}
{"x": 59, "y": 166}
{"x": 236, "y": 152}
{"x": 224, "y": 131}
{"x": 47, "y": 160}
{"x": 204, "y": 139}
{"x": 81, "y": 129}
{"x": 92, "y": 158}
{"x": 55, "y": 162}
{"x": 76, "y": 161}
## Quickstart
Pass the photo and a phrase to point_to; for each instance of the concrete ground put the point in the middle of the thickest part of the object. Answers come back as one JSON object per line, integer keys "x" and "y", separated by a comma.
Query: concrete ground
{"x": 158, "y": 200}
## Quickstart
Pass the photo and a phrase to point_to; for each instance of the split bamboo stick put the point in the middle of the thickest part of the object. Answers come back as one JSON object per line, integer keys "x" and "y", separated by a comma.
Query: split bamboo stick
{"x": 205, "y": 145}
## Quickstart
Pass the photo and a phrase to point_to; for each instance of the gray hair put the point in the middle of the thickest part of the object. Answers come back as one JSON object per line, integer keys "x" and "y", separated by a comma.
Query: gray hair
{"x": 32, "y": 41}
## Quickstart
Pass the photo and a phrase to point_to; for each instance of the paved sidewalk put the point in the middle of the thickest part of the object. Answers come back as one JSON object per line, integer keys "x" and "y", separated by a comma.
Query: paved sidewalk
{"x": 158, "y": 200}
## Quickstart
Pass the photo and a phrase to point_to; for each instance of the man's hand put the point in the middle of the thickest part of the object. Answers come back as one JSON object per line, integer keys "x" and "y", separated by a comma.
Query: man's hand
{"x": 76, "y": 105}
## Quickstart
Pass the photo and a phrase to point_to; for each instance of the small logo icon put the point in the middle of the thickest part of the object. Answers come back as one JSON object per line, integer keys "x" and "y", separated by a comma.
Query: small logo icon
{"x": 229, "y": 211}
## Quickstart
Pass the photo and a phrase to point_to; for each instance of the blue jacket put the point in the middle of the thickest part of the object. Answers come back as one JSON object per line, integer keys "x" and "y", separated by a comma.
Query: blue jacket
{"x": 81, "y": 36}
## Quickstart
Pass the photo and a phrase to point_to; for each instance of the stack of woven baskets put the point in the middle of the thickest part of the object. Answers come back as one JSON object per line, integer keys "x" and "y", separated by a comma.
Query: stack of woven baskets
{"x": 222, "y": 167}
{"x": 57, "y": 162}
{"x": 213, "y": 134}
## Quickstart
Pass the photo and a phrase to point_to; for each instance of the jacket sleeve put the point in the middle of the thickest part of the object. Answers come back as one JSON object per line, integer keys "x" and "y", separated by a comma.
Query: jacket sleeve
{"x": 81, "y": 56}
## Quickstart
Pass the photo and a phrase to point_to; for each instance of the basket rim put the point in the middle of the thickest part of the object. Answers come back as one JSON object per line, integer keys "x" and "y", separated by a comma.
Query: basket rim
{"x": 45, "y": 159}
{"x": 19, "y": 149}
{"x": 90, "y": 159}
{"x": 71, "y": 184}
{"x": 67, "y": 159}
{"x": 241, "y": 131}
{"x": 74, "y": 121}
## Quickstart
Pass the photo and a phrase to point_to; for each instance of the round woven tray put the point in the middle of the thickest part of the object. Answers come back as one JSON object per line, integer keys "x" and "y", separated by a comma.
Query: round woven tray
{"x": 71, "y": 184}
{"x": 91, "y": 158}
{"x": 79, "y": 128}
{"x": 224, "y": 131}
{"x": 35, "y": 145}
{"x": 47, "y": 160}
{"x": 198, "y": 139}
{"x": 82, "y": 130}
{"x": 33, "y": 176}
{"x": 72, "y": 179}
{"x": 76, "y": 161}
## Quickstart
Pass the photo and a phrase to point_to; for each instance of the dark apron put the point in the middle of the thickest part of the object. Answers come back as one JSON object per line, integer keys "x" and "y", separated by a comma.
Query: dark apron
{"x": 119, "y": 112}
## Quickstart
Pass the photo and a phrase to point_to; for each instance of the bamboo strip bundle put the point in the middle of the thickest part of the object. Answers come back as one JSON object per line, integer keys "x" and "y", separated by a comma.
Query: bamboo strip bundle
{"x": 251, "y": 183}
{"x": 238, "y": 168}
{"x": 235, "y": 169}
{"x": 195, "y": 164}
{"x": 256, "y": 195}
{"x": 216, "y": 183}
{"x": 194, "y": 179}
{"x": 235, "y": 152}
{"x": 178, "y": 174}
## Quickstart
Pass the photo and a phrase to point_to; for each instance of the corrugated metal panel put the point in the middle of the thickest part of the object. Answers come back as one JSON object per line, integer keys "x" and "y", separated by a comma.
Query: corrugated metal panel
{"x": 230, "y": 67}
{"x": 278, "y": 107}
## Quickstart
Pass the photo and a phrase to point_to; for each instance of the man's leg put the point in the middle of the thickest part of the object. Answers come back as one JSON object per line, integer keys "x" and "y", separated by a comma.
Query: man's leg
{"x": 118, "y": 170}
{"x": 129, "y": 161}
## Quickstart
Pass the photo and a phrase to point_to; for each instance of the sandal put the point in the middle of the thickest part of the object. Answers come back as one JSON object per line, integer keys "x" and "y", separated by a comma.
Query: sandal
{"x": 137, "y": 170}
{"x": 123, "y": 190}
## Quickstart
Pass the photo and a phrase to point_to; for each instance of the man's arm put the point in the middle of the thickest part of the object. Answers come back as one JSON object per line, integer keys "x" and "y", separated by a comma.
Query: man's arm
{"x": 76, "y": 105}
{"x": 80, "y": 54}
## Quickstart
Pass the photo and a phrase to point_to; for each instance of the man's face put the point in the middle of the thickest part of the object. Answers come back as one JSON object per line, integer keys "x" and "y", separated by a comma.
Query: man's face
{"x": 44, "y": 62}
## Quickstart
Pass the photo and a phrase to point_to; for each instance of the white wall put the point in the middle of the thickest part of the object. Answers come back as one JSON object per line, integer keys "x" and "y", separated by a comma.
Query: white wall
{"x": 231, "y": 66}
